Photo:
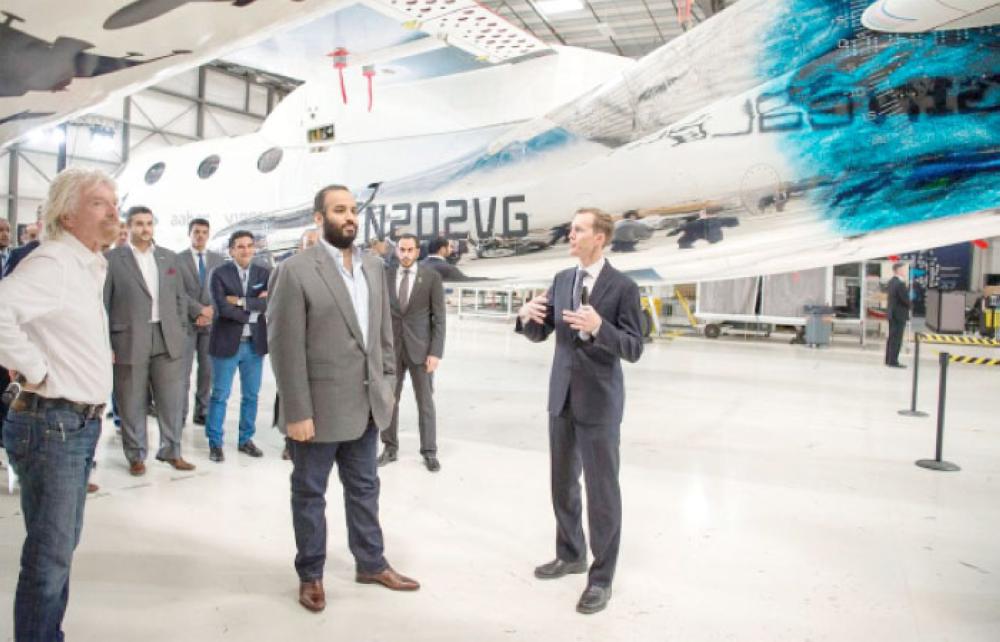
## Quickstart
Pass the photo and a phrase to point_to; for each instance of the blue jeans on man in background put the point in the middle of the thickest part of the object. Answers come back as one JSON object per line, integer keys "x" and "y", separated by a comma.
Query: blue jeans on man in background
{"x": 250, "y": 365}
{"x": 52, "y": 452}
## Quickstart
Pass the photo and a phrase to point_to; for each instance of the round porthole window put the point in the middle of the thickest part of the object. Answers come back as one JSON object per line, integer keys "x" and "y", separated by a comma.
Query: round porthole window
{"x": 154, "y": 173}
{"x": 269, "y": 160}
{"x": 208, "y": 166}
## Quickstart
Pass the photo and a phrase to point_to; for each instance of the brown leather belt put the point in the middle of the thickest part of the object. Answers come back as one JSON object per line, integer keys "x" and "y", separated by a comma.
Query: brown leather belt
{"x": 31, "y": 402}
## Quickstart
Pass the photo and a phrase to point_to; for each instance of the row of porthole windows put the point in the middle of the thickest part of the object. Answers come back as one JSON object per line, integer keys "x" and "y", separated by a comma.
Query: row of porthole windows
{"x": 267, "y": 162}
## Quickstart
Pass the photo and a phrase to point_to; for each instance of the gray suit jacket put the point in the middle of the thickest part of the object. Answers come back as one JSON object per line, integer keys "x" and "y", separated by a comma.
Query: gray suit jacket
{"x": 129, "y": 305}
{"x": 322, "y": 369}
{"x": 420, "y": 329}
{"x": 198, "y": 296}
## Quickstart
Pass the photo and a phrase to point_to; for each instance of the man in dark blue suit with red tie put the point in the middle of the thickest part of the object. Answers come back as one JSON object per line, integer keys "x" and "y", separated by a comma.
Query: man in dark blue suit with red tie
{"x": 595, "y": 313}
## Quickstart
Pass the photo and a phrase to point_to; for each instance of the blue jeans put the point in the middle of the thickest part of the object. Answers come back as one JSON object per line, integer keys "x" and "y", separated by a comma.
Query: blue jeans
{"x": 250, "y": 365}
{"x": 356, "y": 464}
{"x": 52, "y": 452}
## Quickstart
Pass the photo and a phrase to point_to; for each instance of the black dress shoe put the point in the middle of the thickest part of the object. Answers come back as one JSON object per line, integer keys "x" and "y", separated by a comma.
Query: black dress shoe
{"x": 432, "y": 463}
{"x": 215, "y": 454}
{"x": 251, "y": 449}
{"x": 594, "y": 599}
{"x": 895, "y": 365}
{"x": 199, "y": 420}
{"x": 557, "y": 568}
{"x": 387, "y": 457}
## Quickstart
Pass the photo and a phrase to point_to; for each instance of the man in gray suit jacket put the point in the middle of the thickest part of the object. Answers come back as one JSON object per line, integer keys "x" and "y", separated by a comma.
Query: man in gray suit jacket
{"x": 196, "y": 264}
{"x": 416, "y": 298}
{"x": 586, "y": 398}
{"x": 330, "y": 337}
{"x": 147, "y": 316}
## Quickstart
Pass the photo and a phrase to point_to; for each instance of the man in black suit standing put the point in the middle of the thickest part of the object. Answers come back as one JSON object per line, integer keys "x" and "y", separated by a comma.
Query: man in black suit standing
{"x": 416, "y": 298}
{"x": 438, "y": 250}
{"x": 899, "y": 314}
{"x": 17, "y": 255}
{"x": 595, "y": 313}
{"x": 196, "y": 265}
{"x": 238, "y": 341}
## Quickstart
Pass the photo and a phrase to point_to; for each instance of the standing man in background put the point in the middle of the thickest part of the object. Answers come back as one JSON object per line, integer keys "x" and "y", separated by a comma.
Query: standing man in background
{"x": 238, "y": 341}
{"x": 586, "y": 400}
{"x": 899, "y": 314}
{"x": 147, "y": 308}
{"x": 54, "y": 333}
{"x": 17, "y": 255}
{"x": 196, "y": 264}
{"x": 333, "y": 362}
{"x": 4, "y": 244}
{"x": 416, "y": 298}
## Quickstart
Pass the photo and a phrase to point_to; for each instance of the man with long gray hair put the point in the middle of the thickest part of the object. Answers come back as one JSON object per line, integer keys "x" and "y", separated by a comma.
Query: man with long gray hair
{"x": 54, "y": 334}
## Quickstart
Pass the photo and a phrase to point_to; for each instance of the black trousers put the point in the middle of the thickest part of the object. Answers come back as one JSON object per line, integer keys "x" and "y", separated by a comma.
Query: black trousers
{"x": 894, "y": 342}
{"x": 575, "y": 446}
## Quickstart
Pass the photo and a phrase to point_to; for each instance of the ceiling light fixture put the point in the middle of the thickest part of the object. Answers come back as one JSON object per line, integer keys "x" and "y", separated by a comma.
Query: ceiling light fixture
{"x": 553, "y": 7}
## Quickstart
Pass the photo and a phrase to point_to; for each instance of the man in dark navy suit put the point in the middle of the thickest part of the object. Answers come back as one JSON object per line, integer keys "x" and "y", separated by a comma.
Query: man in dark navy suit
{"x": 238, "y": 341}
{"x": 595, "y": 313}
{"x": 899, "y": 314}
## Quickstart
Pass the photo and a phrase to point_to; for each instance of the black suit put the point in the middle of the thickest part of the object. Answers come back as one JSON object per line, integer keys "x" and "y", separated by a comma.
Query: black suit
{"x": 230, "y": 319}
{"x": 899, "y": 314}
{"x": 16, "y": 256}
{"x": 417, "y": 333}
{"x": 586, "y": 401}
{"x": 447, "y": 271}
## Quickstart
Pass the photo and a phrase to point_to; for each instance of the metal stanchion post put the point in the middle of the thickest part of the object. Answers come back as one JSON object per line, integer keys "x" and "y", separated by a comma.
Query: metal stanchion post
{"x": 937, "y": 463}
{"x": 912, "y": 410}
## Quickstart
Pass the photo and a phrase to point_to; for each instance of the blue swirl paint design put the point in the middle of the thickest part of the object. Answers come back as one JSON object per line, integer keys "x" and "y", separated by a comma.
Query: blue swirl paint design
{"x": 901, "y": 128}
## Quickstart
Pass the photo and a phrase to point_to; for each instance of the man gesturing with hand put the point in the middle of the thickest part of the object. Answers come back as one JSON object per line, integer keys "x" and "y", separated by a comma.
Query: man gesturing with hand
{"x": 595, "y": 313}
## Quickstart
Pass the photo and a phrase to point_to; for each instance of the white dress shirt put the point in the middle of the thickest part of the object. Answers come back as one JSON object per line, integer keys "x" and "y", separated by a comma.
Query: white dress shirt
{"x": 399, "y": 277}
{"x": 356, "y": 284}
{"x": 590, "y": 274}
{"x": 151, "y": 275}
{"x": 53, "y": 324}
{"x": 245, "y": 282}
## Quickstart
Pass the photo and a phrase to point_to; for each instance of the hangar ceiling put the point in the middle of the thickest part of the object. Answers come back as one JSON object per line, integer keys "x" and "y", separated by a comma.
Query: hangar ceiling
{"x": 624, "y": 27}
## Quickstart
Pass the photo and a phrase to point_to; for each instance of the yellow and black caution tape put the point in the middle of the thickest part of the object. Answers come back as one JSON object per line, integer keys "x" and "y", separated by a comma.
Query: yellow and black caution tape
{"x": 958, "y": 340}
{"x": 972, "y": 361}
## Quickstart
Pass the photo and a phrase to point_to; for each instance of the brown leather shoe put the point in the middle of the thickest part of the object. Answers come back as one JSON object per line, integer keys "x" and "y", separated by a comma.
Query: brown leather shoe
{"x": 179, "y": 463}
{"x": 137, "y": 469}
{"x": 311, "y": 595}
{"x": 388, "y": 578}
{"x": 92, "y": 487}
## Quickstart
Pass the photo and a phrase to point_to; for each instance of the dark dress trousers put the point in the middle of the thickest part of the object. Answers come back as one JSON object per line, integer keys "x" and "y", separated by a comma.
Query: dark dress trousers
{"x": 586, "y": 401}
{"x": 899, "y": 314}
{"x": 199, "y": 295}
{"x": 227, "y": 329}
{"x": 417, "y": 332}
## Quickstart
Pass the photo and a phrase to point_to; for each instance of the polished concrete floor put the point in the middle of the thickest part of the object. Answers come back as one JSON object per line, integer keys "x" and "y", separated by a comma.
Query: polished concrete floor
{"x": 770, "y": 494}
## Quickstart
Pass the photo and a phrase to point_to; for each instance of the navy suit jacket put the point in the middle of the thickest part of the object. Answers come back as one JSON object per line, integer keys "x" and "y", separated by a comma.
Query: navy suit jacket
{"x": 17, "y": 255}
{"x": 590, "y": 372}
{"x": 227, "y": 328}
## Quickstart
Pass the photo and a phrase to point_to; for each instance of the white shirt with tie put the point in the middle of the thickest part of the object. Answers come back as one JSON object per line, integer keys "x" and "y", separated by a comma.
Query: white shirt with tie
{"x": 400, "y": 271}
{"x": 590, "y": 274}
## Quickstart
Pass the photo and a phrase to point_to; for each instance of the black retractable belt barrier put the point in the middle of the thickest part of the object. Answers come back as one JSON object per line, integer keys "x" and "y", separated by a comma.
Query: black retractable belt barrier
{"x": 937, "y": 463}
{"x": 912, "y": 410}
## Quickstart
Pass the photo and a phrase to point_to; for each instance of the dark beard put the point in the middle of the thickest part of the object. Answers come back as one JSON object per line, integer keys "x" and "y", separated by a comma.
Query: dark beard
{"x": 335, "y": 236}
